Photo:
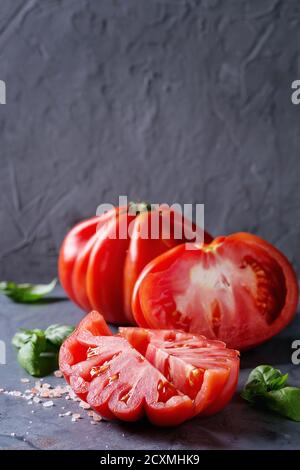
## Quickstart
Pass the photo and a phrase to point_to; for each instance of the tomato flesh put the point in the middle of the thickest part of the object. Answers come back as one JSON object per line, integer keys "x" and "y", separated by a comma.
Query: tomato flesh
{"x": 165, "y": 375}
{"x": 196, "y": 366}
{"x": 238, "y": 289}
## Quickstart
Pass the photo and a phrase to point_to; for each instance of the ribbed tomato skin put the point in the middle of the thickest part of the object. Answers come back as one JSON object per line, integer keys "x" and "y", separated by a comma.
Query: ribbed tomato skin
{"x": 98, "y": 266}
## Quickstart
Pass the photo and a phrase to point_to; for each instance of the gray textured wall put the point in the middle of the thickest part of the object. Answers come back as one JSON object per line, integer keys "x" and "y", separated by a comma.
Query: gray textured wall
{"x": 178, "y": 100}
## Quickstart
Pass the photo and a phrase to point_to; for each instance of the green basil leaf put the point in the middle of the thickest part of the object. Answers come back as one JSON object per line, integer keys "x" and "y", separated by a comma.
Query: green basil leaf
{"x": 285, "y": 401}
{"x": 26, "y": 293}
{"x": 48, "y": 363}
{"x": 261, "y": 380}
{"x": 22, "y": 337}
{"x": 29, "y": 354}
{"x": 266, "y": 386}
{"x": 56, "y": 334}
{"x": 38, "y": 349}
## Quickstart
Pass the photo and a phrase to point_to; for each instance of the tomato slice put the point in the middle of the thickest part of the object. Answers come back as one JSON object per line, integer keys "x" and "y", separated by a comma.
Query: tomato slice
{"x": 167, "y": 376}
{"x": 116, "y": 380}
{"x": 204, "y": 370}
{"x": 239, "y": 289}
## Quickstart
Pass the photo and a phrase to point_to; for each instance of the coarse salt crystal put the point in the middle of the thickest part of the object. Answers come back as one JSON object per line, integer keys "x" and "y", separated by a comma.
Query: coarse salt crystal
{"x": 58, "y": 374}
{"x": 25, "y": 380}
{"x": 75, "y": 417}
{"x": 28, "y": 397}
{"x": 96, "y": 417}
{"x": 15, "y": 393}
{"x": 67, "y": 413}
{"x": 84, "y": 405}
{"x": 47, "y": 404}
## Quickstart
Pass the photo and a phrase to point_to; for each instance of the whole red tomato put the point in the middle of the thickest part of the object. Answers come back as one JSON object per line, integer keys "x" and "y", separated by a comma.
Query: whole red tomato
{"x": 99, "y": 264}
{"x": 238, "y": 289}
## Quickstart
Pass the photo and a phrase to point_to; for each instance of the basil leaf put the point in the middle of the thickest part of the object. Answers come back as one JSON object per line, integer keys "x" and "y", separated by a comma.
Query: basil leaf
{"x": 38, "y": 349}
{"x": 261, "y": 380}
{"x": 285, "y": 401}
{"x": 23, "y": 336}
{"x": 266, "y": 386}
{"x": 56, "y": 334}
{"x": 26, "y": 293}
{"x": 29, "y": 354}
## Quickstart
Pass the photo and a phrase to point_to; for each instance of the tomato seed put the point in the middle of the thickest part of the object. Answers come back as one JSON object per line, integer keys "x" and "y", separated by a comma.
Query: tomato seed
{"x": 92, "y": 352}
{"x": 125, "y": 398}
{"x": 194, "y": 374}
{"x": 113, "y": 378}
{"x": 98, "y": 370}
{"x": 160, "y": 385}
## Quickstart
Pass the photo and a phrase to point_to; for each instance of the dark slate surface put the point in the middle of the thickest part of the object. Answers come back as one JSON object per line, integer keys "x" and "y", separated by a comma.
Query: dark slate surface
{"x": 162, "y": 100}
{"x": 238, "y": 426}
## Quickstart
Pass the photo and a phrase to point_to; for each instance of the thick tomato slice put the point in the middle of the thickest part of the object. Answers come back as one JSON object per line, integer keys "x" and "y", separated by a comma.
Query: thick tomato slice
{"x": 239, "y": 289}
{"x": 116, "y": 380}
{"x": 167, "y": 376}
{"x": 205, "y": 370}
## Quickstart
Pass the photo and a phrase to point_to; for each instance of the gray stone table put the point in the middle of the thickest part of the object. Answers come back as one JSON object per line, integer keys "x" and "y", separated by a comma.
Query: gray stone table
{"x": 238, "y": 426}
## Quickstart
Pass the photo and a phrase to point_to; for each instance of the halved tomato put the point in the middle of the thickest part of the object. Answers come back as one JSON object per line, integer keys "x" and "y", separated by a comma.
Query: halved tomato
{"x": 101, "y": 258}
{"x": 239, "y": 289}
{"x": 167, "y": 376}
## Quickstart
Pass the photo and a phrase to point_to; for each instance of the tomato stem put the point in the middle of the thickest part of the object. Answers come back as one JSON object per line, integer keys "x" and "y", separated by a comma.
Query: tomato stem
{"x": 138, "y": 207}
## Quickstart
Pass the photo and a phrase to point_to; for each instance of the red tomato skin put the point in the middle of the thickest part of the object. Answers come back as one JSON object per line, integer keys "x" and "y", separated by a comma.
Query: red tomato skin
{"x": 104, "y": 279}
{"x": 72, "y": 244}
{"x": 98, "y": 272}
{"x": 140, "y": 296}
